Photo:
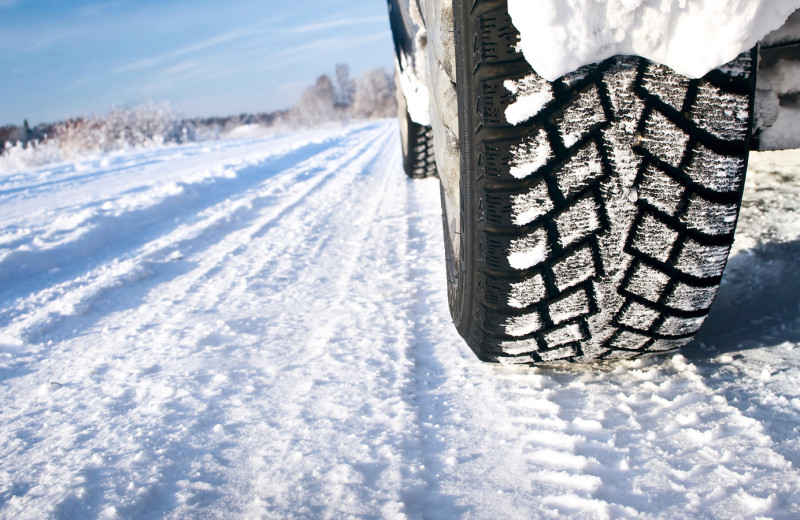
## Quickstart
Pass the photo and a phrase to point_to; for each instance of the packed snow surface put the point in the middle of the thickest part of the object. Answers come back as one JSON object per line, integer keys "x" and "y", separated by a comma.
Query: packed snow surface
{"x": 690, "y": 36}
{"x": 259, "y": 329}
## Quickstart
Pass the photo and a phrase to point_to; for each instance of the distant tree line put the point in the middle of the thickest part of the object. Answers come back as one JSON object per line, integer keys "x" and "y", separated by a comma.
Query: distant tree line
{"x": 329, "y": 101}
{"x": 370, "y": 96}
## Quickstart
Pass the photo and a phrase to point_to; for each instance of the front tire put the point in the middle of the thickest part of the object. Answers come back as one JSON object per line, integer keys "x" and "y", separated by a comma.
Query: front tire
{"x": 598, "y": 225}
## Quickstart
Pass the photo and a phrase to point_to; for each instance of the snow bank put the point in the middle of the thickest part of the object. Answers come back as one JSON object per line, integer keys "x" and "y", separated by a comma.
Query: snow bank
{"x": 690, "y": 36}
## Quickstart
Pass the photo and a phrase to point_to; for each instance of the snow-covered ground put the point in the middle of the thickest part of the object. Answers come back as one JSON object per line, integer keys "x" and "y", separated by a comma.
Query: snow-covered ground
{"x": 259, "y": 328}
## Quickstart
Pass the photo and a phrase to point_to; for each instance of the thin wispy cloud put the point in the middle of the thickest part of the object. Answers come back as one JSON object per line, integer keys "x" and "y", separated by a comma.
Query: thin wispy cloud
{"x": 340, "y": 23}
{"x": 287, "y": 57}
{"x": 49, "y": 41}
{"x": 215, "y": 67}
{"x": 249, "y": 33}
{"x": 332, "y": 44}
{"x": 182, "y": 67}
{"x": 220, "y": 39}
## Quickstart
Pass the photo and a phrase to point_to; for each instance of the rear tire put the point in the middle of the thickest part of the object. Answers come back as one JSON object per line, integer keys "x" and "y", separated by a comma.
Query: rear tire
{"x": 418, "y": 156}
{"x": 598, "y": 226}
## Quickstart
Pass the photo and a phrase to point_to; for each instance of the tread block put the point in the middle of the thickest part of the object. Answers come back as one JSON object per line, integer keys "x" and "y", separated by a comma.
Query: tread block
{"x": 505, "y": 102}
{"x": 493, "y": 103}
{"x": 620, "y": 355}
{"x": 579, "y": 171}
{"x": 739, "y": 67}
{"x": 518, "y": 347}
{"x": 527, "y": 292}
{"x": 654, "y": 238}
{"x": 647, "y": 283}
{"x": 722, "y": 114}
{"x": 728, "y": 170}
{"x": 569, "y": 307}
{"x": 529, "y": 155}
{"x": 529, "y": 95}
{"x": 688, "y": 298}
{"x": 674, "y": 326}
{"x": 660, "y": 190}
{"x": 663, "y": 83}
{"x": 528, "y": 251}
{"x": 529, "y": 206}
{"x": 709, "y": 217}
{"x": 522, "y": 325}
{"x": 581, "y": 117}
{"x": 506, "y": 160}
{"x": 561, "y": 336}
{"x": 499, "y": 208}
{"x": 629, "y": 340}
{"x": 639, "y": 317}
{"x": 578, "y": 221}
{"x": 664, "y": 345}
{"x": 574, "y": 268}
{"x": 515, "y": 360}
{"x": 664, "y": 139}
{"x": 702, "y": 261}
{"x": 499, "y": 37}
{"x": 571, "y": 79}
{"x": 558, "y": 354}
{"x": 619, "y": 82}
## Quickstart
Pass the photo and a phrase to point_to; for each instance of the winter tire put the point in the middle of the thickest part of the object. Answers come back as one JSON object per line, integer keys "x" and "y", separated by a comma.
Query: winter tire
{"x": 597, "y": 227}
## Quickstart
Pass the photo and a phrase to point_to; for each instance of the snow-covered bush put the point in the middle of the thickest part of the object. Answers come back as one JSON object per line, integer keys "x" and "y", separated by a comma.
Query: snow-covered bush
{"x": 149, "y": 124}
{"x": 155, "y": 124}
{"x": 18, "y": 155}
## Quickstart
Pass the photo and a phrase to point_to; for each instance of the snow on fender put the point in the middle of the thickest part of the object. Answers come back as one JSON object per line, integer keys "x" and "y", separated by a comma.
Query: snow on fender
{"x": 692, "y": 37}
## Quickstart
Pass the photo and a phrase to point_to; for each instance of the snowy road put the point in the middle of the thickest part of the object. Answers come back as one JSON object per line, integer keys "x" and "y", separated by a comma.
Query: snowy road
{"x": 259, "y": 329}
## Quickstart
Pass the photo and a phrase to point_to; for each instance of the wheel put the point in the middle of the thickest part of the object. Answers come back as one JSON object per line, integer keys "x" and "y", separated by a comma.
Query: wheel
{"x": 596, "y": 212}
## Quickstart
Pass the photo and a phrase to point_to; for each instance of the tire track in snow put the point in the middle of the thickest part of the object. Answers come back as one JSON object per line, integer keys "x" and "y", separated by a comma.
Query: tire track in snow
{"x": 424, "y": 274}
{"x": 315, "y": 400}
{"x": 74, "y": 297}
{"x": 281, "y": 208}
{"x": 610, "y": 443}
{"x": 350, "y": 377}
{"x": 104, "y": 233}
{"x": 244, "y": 376}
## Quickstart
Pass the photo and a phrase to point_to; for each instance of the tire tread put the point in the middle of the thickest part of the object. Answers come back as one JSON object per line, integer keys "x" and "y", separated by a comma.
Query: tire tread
{"x": 652, "y": 292}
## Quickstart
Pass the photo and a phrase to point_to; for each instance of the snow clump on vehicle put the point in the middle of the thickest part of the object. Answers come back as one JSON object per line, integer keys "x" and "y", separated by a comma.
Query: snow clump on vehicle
{"x": 692, "y": 37}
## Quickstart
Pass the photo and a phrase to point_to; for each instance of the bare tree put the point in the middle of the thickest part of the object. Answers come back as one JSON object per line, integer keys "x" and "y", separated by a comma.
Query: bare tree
{"x": 345, "y": 86}
{"x": 374, "y": 95}
{"x": 316, "y": 104}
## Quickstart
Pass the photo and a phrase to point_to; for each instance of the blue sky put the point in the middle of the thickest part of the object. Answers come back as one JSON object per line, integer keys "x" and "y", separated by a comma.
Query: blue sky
{"x": 62, "y": 59}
